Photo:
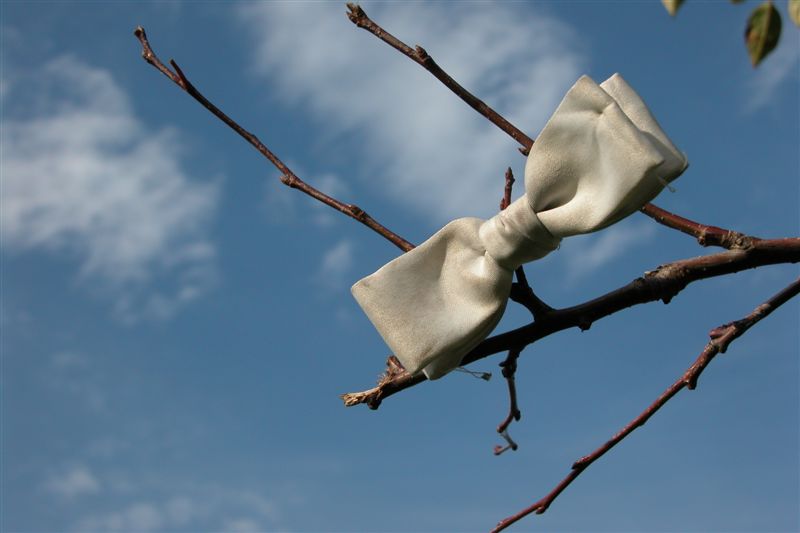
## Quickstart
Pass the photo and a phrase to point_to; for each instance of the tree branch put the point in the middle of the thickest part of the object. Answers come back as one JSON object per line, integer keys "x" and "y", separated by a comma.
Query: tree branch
{"x": 744, "y": 252}
{"x": 288, "y": 177}
{"x": 721, "y": 337}
{"x": 509, "y": 366}
{"x": 663, "y": 283}
{"x": 505, "y": 201}
{"x": 705, "y": 235}
{"x": 418, "y": 54}
{"x": 521, "y": 293}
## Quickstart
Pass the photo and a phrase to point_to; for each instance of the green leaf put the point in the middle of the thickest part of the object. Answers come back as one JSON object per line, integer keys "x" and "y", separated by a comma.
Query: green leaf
{"x": 794, "y": 11}
{"x": 672, "y": 6}
{"x": 762, "y": 32}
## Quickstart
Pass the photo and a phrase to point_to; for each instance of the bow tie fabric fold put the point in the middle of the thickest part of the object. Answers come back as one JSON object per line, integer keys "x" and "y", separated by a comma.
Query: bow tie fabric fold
{"x": 599, "y": 158}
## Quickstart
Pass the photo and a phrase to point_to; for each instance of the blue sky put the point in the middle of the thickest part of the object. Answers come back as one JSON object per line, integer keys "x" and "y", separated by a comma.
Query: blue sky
{"x": 177, "y": 325}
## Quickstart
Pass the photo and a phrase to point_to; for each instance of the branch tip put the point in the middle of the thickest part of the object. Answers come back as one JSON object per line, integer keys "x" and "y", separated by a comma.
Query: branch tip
{"x": 356, "y": 14}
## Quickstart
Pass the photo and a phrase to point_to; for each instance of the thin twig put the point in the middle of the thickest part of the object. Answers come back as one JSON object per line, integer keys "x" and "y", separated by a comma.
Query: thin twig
{"x": 288, "y": 177}
{"x": 521, "y": 291}
{"x": 509, "y": 366}
{"x": 721, "y": 338}
{"x": 418, "y": 54}
{"x": 505, "y": 201}
{"x": 662, "y": 284}
{"x": 705, "y": 235}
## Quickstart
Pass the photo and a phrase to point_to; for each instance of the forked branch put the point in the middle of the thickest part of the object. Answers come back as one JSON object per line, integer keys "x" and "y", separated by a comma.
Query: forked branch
{"x": 721, "y": 337}
{"x": 663, "y": 283}
{"x": 418, "y": 54}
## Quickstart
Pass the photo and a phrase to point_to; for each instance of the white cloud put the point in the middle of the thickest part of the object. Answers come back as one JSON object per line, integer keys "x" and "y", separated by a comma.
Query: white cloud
{"x": 584, "y": 254}
{"x": 181, "y": 510}
{"x": 75, "y": 482}
{"x": 764, "y": 82}
{"x": 65, "y": 360}
{"x": 80, "y": 173}
{"x": 420, "y": 143}
{"x": 136, "y": 517}
{"x": 143, "y": 517}
{"x": 72, "y": 373}
{"x": 241, "y": 525}
{"x": 199, "y": 508}
{"x": 335, "y": 264}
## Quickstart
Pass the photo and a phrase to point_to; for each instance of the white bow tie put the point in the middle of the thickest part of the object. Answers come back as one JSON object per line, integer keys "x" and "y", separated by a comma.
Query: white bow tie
{"x": 599, "y": 158}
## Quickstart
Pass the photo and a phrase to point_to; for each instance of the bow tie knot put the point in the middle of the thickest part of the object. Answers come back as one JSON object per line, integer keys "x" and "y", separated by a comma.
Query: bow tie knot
{"x": 516, "y": 236}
